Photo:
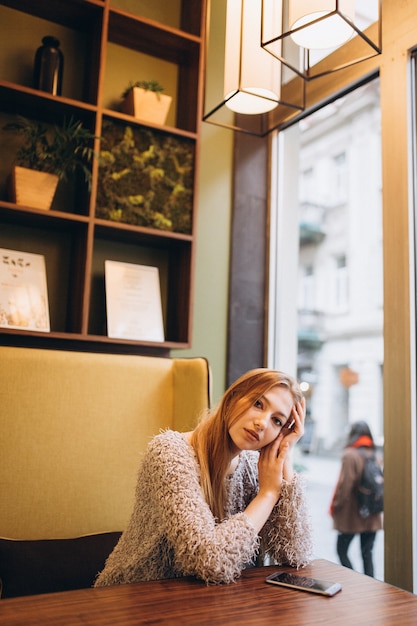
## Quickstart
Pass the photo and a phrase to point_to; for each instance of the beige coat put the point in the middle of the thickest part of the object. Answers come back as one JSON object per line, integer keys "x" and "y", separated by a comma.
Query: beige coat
{"x": 344, "y": 508}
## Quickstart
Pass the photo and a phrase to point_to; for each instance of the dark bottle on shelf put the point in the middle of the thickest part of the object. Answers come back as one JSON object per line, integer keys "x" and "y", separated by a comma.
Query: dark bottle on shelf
{"x": 49, "y": 66}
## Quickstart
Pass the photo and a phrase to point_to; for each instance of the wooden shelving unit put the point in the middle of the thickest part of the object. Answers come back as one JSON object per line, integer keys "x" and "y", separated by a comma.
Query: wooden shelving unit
{"x": 103, "y": 41}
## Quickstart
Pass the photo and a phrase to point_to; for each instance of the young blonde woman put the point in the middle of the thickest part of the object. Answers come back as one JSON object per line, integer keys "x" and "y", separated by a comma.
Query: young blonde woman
{"x": 211, "y": 502}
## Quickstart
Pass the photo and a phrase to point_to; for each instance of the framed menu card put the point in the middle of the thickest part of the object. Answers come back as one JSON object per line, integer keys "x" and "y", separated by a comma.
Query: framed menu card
{"x": 133, "y": 300}
{"x": 23, "y": 291}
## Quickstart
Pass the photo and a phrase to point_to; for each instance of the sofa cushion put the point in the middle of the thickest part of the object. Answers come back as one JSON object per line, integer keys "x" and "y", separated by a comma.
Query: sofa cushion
{"x": 48, "y": 565}
{"x": 74, "y": 428}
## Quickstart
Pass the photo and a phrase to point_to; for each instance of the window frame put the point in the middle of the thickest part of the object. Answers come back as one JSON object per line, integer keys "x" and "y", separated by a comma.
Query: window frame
{"x": 396, "y": 72}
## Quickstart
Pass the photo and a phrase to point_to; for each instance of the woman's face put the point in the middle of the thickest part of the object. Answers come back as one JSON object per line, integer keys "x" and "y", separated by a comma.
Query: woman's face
{"x": 263, "y": 421}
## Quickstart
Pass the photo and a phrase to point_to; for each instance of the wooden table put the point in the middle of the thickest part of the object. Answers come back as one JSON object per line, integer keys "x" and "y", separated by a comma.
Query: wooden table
{"x": 250, "y": 600}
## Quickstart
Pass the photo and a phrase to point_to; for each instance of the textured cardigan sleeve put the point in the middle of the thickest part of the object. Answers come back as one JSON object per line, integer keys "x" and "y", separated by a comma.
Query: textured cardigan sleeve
{"x": 287, "y": 535}
{"x": 213, "y": 552}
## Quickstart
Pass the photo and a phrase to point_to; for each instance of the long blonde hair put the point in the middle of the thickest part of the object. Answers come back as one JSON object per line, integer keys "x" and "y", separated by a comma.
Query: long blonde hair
{"x": 211, "y": 440}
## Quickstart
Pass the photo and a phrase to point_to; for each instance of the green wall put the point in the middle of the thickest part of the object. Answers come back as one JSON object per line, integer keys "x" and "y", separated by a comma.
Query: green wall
{"x": 211, "y": 280}
{"x": 214, "y": 211}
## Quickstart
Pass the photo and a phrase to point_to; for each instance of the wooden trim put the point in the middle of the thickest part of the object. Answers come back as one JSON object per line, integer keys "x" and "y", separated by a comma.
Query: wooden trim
{"x": 247, "y": 293}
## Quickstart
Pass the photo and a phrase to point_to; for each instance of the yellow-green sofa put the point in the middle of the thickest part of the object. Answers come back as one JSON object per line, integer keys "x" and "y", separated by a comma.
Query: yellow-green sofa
{"x": 73, "y": 428}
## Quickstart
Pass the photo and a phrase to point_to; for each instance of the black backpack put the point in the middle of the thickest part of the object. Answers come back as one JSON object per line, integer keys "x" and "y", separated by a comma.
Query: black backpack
{"x": 370, "y": 490}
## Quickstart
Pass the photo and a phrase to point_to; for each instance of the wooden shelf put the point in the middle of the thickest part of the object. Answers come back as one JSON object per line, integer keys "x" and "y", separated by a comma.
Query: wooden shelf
{"x": 77, "y": 14}
{"x": 154, "y": 39}
{"x": 43, "y": 106}
{"x": 74, "y": 239}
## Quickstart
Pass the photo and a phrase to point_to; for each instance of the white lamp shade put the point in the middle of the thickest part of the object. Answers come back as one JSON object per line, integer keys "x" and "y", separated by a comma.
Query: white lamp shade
{"x": 252, "y": 78}
{"x": 329, "y": 32}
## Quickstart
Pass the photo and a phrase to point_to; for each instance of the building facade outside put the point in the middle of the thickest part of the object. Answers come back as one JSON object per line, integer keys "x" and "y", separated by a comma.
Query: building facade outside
{"x": 340, "y": 282}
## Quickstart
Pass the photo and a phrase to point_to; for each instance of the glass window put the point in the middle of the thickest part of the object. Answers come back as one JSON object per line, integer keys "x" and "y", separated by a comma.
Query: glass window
{"x": 340, "y": 178}
{"x": 340, "y": 290}
{"x": 328, "y": 170}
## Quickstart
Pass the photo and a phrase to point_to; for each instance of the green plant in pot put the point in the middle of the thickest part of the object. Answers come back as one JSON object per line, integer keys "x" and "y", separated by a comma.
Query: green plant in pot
{"x": 144, "y": 100}
{"x": 147, "y": 85}
{"x": 52, "y": 154}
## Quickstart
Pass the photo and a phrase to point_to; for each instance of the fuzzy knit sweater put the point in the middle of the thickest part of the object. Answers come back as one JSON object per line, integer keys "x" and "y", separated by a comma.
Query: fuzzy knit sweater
{"x": 172, "y": 531}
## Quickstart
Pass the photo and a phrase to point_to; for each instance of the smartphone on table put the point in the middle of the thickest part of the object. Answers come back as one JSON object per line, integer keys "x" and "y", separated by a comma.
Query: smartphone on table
{"x": 304, "y": 583}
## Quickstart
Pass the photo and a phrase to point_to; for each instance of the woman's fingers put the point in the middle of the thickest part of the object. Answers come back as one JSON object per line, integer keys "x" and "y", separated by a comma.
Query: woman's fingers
{"x": 271, "y": 450}
{"x": 283, "y": 451}
{"x": 271, "y": 466}
{"x": 298, "y": 414}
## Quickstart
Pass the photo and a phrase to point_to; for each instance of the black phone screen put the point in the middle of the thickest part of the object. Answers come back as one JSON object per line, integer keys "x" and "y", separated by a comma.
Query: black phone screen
{"x": 305, "y": 583}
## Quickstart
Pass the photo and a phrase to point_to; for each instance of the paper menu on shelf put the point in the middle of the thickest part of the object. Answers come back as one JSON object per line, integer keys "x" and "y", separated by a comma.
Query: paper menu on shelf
{"x": 23, "y": 291}
{"x": 133, "y": 301}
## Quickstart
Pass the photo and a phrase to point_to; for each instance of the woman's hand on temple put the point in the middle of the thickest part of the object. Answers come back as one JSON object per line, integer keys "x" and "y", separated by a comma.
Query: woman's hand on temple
{"x": 290, "y": 435}
{"x": 294, "y": 433}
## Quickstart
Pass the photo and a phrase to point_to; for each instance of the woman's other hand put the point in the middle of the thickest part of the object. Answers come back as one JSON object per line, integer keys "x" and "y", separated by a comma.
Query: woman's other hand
{"x": 292, "y": 432}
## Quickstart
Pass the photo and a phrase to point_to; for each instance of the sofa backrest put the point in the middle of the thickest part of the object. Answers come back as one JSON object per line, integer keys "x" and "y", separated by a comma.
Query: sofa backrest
{"x": 73, "y": 428}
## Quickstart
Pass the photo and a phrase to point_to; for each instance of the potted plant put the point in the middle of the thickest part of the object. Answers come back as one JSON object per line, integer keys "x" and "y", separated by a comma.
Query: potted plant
{"x": 47, "y": 155}
{"x": 144, "y": 100}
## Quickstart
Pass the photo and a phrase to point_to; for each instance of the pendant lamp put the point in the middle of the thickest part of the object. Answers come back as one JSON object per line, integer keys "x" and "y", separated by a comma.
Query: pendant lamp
{"x": 311, "y": 30}
{"x": 243, "y": 82}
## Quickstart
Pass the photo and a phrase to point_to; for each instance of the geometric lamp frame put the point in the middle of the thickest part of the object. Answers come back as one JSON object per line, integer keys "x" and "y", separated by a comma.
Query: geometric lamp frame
{"x": 309, "y": 60}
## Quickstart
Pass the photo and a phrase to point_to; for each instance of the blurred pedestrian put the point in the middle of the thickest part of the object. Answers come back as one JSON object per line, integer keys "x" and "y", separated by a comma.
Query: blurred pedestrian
{"x": 344, "y": 507}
